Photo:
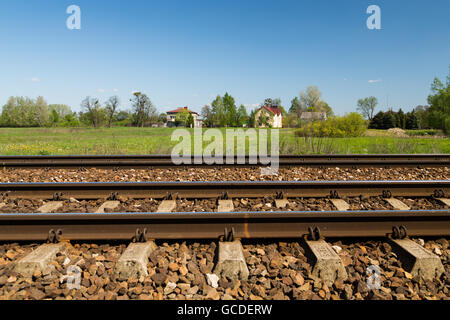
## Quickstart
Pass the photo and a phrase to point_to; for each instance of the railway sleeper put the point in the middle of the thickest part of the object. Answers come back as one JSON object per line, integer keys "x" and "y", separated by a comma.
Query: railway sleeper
{"x": 417, "y": 260}
{"x": 397, "y": 204}
{"x": 231, "y": 262}
{"x": 39, "y": 259}
{"x": 110, "y": 204}
{"x": 167, "y": 206}
{"x": 225, "y": 205}
{"x": 327, "y": 265}
{"x": 50, "y": 206}
{"x": 133, "y": 262}
{"x": 444, "y": 201}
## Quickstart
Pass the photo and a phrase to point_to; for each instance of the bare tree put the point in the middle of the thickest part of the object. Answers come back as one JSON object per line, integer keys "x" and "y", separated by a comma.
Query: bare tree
{"x": 367, "y": 106}
{"x": 208, "y": 116}
{"x": 311, "y": 97}
{"x": 94, "y": 110}
{"x": 111, "y": 108}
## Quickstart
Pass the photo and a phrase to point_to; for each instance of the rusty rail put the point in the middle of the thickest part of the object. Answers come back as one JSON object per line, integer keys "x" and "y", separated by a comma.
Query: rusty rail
{"x": 120, "y": 226}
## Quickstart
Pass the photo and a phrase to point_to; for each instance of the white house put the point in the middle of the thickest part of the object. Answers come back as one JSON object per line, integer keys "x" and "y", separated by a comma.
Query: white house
{"x": 172, "y": 114}
{"x": 274, "y": 116}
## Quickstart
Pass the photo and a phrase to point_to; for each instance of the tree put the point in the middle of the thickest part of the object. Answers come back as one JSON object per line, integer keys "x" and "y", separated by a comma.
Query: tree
{"x": 123, "y": 115}
{"x": 311, "y": 97}
{"x": 322, "y": 106}
{"x": 182, "y": 118}
{"x": 144, "y": 111}
{"x": 389, "y": 120}
{"x": 310, "y": 100}
{"x": 264, "y": 118}
{"x": 377, "y": 121}
{"x": 190, "y": 121}
{"x": 439, "y": 100}
{"x": 242, "y": 116}
{"x": 421, "y": 112}
{"x": 62, "y": 109}
{"x": 111, "y": 108}
{"x": 218, "y": 112}
{"x": 367, "y": 106}
{"x": 162, "y": 118}
{"x": 70, "y": 120}
{"x": 296, "y": 106}
{"x": 41, "y": 111}
{"x": 207, "y": 114}
{"x": 276, "y": 102}
{"x": 54, "y": 117}
{"x": 230, "y": 110}
{"x": 94, "y": 111}
{"x": 400, "y": 118}
{"x": 252, "y": 119}
{"x": 412, "y": 122}
{"x": 20, "y": 112}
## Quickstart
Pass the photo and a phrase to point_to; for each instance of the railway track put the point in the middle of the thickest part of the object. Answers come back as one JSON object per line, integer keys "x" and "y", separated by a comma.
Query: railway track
{"x": 321, "y": 260}
{"x": 224, "y": 189}
{"x": 164, "y": 161}
{"x": 212, "y": 225}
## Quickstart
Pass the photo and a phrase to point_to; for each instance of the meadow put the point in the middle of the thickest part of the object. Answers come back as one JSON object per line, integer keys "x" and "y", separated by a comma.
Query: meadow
{"x": 132, "y": 140}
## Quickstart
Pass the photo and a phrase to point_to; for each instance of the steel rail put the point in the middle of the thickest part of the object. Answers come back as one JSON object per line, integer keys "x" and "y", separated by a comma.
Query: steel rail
{"x": 210, "y": 225}
{"x": 165, "y": 161}
{"x": 224, "y": 189}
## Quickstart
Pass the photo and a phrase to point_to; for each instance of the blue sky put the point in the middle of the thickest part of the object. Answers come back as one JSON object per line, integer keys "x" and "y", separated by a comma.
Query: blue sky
{"x": 186, "y": 52}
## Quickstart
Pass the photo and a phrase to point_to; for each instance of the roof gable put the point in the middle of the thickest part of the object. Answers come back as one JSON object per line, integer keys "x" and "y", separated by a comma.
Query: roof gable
{"x": 274, "y": 110}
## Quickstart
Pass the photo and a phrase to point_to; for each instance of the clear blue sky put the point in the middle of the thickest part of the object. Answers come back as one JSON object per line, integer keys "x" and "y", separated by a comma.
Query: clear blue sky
{"x": 186, "y": 52}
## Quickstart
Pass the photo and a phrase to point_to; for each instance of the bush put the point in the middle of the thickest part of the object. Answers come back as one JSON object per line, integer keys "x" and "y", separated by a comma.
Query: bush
{"x": 350, "y": 125}
{"x": 424, "y": 132}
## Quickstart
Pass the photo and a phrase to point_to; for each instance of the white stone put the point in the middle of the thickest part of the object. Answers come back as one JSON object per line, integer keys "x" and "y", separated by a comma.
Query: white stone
{"x": 66, "y": 261}
{"x": 337, "y": 249}
{"x": 212, "y": 280}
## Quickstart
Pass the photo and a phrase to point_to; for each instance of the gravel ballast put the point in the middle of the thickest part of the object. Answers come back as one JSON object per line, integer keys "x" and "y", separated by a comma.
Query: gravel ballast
{"x": 278, "y": 270}
{"x": 220, "y": 174}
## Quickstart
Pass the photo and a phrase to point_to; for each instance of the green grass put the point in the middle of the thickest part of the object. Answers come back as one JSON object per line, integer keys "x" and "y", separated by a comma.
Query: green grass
{"x": 124, "y": 140}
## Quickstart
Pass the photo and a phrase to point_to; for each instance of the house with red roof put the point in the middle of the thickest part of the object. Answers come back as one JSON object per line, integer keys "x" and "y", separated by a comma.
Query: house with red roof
{"x": 269, "y": 116}
{"x": 171, "y": 115}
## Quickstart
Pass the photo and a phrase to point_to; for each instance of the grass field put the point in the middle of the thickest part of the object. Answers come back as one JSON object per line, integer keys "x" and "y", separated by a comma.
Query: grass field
{"x": 123, "y": 140}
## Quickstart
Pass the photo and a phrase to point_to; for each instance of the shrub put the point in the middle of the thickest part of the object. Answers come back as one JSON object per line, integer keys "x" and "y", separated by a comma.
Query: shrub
{"x": 423, "y": 132}
{"x": 350, "y": 125}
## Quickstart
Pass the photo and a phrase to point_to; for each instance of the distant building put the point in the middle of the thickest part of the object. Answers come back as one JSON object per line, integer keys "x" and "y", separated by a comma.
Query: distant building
{"x": 274, "y": 116}
{"x": 172, "y": 114}
{"x": 309, "y": 115}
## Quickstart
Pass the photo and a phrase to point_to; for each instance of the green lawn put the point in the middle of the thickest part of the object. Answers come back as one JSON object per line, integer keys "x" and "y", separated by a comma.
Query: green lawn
{"x": 122, "y": 140}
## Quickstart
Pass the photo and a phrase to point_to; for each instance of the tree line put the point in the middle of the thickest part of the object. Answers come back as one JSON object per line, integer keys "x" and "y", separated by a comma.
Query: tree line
{"x": 222, "y": 112}
{"x": 436, "y": 115}
{"x": 27, "y": 112}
